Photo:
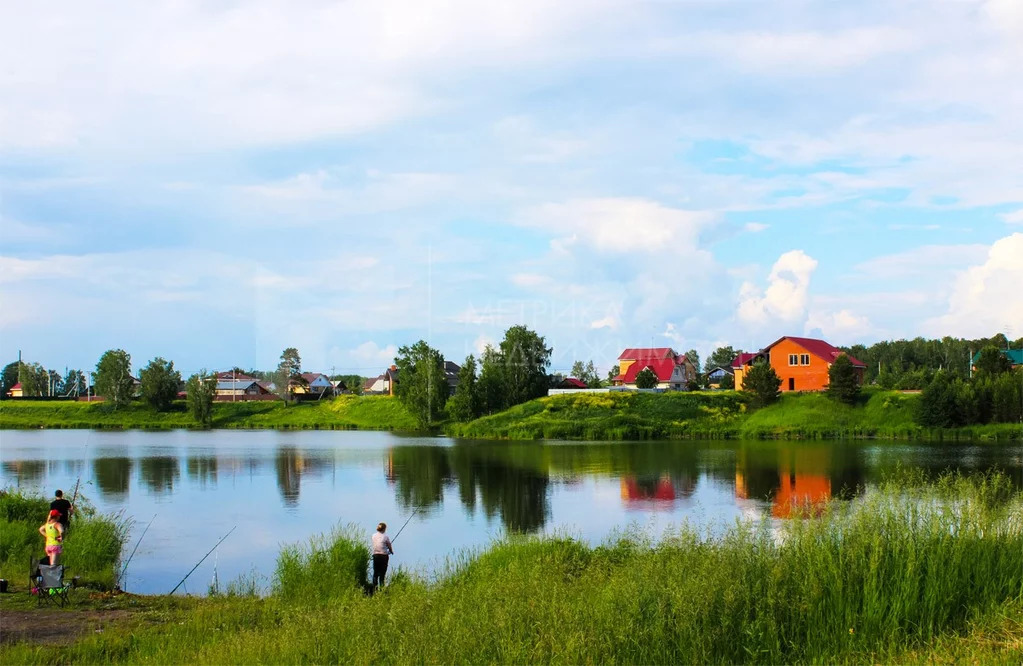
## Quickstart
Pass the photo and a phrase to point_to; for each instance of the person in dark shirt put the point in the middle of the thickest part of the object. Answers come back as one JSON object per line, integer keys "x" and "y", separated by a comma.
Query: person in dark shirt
{"x": 63, "y": 506}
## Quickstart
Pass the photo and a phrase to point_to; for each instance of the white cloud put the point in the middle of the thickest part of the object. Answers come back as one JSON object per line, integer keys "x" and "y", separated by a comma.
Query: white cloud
{"x": 839, "y": 327}
{"x": 1015, "y": 217}
{"x": 785, "y": 297}
{"x": 755, "y": 227}
{"x": 369, "y": 354}
{"x": 926, "y": 260}
{"x": 988, "y": 297}
{"x": 621, "y": 225}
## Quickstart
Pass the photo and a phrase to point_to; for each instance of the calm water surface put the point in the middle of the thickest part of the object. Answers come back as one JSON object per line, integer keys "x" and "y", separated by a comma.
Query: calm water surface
{"x": 281, "y": 487}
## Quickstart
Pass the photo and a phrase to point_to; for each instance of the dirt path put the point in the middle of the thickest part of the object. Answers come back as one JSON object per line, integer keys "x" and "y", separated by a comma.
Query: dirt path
{"x": 54, "y": 627}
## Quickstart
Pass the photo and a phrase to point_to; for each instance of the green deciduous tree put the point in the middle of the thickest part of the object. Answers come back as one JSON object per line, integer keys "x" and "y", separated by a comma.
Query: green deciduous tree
{"x": 34, "y": 379}
{"x": 721, "y": 357}
{"x": 992, "y": 361}
{"x": 524, "y": 359}
{"x": 160, "y": 383}
{"x": 465, "y": 404}
{"x": 74, "y": 383}
{"x": 843, "y": 384}
{"x": 646, "y": 379}
{"x": 694, "y": 358}
{"x": 762, "y": 384}
{"x": 9, "y": 378}
{"x": 489, "y": 385}
{"x": 113, "y": 377}
{"x": 1007, "y": 397}
{"x": 200, "y": 391}
{"x": 612, "y": 373}
{"x": 727, "y": 382}
{"x": 422, "y": 385}
{"x": 587, "y": 373}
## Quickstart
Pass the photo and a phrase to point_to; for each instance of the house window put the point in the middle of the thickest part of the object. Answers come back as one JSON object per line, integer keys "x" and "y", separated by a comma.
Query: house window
{"x": 792, "y": 359}
{"x": 804, "y": 359}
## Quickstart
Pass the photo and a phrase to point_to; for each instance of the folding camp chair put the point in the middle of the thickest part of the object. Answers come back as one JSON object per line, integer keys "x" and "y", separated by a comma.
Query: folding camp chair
{"x": 50, "y": 587}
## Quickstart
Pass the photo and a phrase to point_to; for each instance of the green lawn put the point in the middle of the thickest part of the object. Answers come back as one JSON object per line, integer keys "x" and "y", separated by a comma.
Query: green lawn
{"x": 343, "y": 412}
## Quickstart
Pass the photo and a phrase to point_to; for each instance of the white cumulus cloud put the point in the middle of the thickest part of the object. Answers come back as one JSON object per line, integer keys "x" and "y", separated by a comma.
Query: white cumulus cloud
{"x": 785, "y": 297}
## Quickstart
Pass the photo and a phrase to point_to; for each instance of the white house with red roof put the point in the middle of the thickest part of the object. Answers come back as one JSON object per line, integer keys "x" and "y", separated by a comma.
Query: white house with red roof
{"x": 673, "y": 370}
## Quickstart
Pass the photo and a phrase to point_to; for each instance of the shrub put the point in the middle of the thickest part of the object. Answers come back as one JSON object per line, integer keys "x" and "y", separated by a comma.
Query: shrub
{"x": 762, "y": 384}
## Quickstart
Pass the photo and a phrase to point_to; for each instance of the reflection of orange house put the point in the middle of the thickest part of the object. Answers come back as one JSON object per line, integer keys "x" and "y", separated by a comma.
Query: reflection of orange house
{"x": 800, "y": 492}
{"x": 801, "y": 363}
{"x": 633, "y": 490}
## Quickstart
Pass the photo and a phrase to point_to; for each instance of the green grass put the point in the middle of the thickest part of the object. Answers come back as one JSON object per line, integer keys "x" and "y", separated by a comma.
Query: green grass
{"x": 725, "y": 414}
{"x": 343, "y": 412}
{"x": 911, "y": 571}
{"x": 92, "y": 547}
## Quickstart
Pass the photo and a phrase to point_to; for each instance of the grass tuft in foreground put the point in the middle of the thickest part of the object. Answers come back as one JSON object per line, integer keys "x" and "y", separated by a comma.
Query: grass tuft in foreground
{"x": 910, "y": 571}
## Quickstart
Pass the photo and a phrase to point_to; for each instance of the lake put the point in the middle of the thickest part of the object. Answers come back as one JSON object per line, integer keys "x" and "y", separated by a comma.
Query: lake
{"x": 283, "y": 487}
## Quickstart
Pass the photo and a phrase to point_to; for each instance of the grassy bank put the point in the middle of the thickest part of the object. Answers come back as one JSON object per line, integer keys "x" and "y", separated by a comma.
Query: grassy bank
{"x": 725, "y": 414}
{"x": 92, "y": 547}
{"x": 343, "y": 412}
{"x": 908, "y": 573}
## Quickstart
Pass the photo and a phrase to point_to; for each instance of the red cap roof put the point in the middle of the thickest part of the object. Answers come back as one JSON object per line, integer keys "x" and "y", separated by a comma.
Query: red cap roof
{"x": 661, "y": 367}
{"x": 578, "y": 383}
{"x": 820, "y": 348}
{"x": 646, "y": 353}
{"x": 742, "y": 359}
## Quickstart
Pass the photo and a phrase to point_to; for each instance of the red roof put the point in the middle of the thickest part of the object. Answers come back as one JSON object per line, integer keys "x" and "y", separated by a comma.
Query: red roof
{"x": 646, "y": 353}
{"x": 662, "y": 368}
{"x": 818, "y": 348}
{"x": 742, "y": 359}
{"x": 16, "y": 386}
{"x": 572, "y": 381}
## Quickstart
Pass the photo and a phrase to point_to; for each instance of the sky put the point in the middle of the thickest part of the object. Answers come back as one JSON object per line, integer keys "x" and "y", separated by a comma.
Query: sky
{"x": 212, "y": 182}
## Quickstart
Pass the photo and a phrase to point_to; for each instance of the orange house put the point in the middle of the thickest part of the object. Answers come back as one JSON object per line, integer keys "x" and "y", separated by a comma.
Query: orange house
{"x": 802, "y": 363}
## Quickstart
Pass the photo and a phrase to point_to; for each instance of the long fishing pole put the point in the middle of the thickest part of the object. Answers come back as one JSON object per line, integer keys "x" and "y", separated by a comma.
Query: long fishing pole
{"x": 136, "y": 548}
{"x": 395, "y": 538}
{"x": 202, "y": 560}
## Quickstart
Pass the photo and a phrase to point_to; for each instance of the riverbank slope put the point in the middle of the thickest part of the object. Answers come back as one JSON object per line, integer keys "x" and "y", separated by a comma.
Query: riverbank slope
{"x": 576, "y": 416}
{"x": 723, "y": 414}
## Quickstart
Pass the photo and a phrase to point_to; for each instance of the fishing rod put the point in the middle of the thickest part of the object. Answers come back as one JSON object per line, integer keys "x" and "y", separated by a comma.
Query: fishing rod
{"x": 136, "y": 548}
{"x": 202, "y": 560}
{"x": 395, "y": 538}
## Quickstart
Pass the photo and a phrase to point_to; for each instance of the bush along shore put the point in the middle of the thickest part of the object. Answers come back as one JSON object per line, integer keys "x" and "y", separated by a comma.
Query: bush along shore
{"x": 910, "y": 572}
{"x": 878, "y": 414}
{"x": 92, "y": 547}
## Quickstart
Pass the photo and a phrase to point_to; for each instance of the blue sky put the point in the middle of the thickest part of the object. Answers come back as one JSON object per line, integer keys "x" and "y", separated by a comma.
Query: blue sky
{"x": 213, "y": 182}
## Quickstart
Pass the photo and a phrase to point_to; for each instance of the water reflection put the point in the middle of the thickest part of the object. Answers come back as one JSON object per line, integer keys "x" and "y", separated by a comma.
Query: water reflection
{"x": 112, "y": 475}
{"x": 288, "y": 465}
{"x": 25, "y": 472}
{"x": 202, "y": 470}
{"x": 159, "y": 473}
{"x": 797, "y": 477}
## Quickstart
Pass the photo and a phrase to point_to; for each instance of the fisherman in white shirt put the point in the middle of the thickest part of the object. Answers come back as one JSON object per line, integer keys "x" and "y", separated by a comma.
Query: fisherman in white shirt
{"x": 381, "y": 550}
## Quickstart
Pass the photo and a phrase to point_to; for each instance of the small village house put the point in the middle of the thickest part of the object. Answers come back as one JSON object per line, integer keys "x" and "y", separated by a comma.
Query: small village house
{"x": 716, "y": 375}
{"x": 571, "y": 383}
{"x": 1015, "y": 357}
{"x": 801, "y": 363}
{"x": 386, "y": 383}
{"x": 673, "y": 371}
{"x": 314, "y": 383}
{"x": 16, "y": 391}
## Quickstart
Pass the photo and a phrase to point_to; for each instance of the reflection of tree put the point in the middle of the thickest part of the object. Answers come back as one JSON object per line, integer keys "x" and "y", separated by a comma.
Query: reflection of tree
{"x": 419, "y": 474}
{"x": 513, "y": 488}
{"x": 288, "y": 464}
{"x": 112, "y": 475}
{"x": 159, "y": 473}
{"x": 202, "y": 470}
{"x": 25, "y": 471}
